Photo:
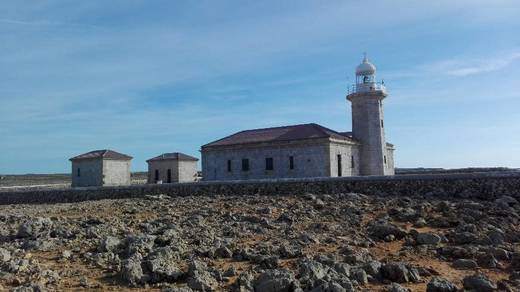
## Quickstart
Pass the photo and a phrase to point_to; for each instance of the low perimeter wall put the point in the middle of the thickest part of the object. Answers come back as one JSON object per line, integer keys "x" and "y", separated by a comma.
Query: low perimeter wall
{"x": 487, "y": 186}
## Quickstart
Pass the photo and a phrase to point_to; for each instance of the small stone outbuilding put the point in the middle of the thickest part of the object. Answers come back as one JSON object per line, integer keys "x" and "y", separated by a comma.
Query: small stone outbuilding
{"x": 101, "y": 168}
{"x": 172, "y": 167}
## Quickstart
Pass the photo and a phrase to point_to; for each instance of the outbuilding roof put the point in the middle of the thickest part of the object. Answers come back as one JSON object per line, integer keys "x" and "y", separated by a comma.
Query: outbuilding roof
{"x": 103, "y": 154}
{"x": 278, "y": 134}
{"x": 173, "y": 156}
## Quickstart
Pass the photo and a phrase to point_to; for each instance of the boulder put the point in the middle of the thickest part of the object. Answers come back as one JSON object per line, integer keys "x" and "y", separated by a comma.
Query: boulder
{"x": 329, "y": 287}
{"x": 479, "y": 282}
{"x": 438, "y": 284}
{"x": 243, "y": 283}
{"x": 223, "y": 252}
{"x": 37, "y": 227}
{"x": 132, "y": 272}
{"x": 5, "y": 255}
{"x": 394, "y": 287}
{"x": 161, "y": 265}
{"x": 275, "y": 281}
{"x": 373, "y": 268}
{"x": 381, "y": 231}
{"x": 359, "y": 276}
{"x": 465, "y": 264}
{"x": 464, "y": 237}
{"x": 428, "y": 238}
{"x": 487, "y": 260}
{"x": 139, "y": 244}
{"x": 109, "y": 244}
{"x": 395, "y": 272}
{"x": 200, "y": 278}
{"x": 506, "y": 201}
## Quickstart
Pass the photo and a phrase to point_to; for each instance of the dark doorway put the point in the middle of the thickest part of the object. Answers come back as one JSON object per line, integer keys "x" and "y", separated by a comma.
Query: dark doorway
{"x": 245, "y": 164}
{"x": 269, "y": 164}
{"x": 156, "y": 175}
{"x": 169, "y": 179}
{"x": 339, "y": 165}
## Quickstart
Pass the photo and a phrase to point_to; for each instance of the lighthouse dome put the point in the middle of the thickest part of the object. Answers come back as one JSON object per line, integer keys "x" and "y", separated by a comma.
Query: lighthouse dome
{"x": 366, "y": 68}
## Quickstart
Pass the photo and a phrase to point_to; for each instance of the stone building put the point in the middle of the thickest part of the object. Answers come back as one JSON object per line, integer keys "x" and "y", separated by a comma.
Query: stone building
{"x": 310, "y": 150}
{"x": 172, "y": 167}
{"x": 101, "y": 168}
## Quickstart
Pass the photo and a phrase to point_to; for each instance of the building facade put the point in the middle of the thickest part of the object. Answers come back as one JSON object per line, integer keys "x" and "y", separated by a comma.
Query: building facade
{"x": 172, "y": 167}
{"x": 310, "y": 150}
{"x": 307, "y": 150}
{"x": 101, "y": 168}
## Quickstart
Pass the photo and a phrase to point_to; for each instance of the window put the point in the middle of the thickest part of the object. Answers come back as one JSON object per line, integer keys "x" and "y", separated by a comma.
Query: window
{"x": 79, "y": 172}
{"x": 352, "y": 162}
{"x": 382, "y": 124}
{"x": 291, "y": 162}
{"x": 156, "y": 175}
{"x": 169, "y": 179}
{"x": 339, "y": 165}
{"x": 384, "y": 158}
{"x": 245, "y": 164}
{"x": 269, "y": 164}
{"x": 229, "y": 165}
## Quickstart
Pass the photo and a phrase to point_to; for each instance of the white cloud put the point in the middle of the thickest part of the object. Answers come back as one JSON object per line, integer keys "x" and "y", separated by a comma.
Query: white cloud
{"x": 462, "y": 67}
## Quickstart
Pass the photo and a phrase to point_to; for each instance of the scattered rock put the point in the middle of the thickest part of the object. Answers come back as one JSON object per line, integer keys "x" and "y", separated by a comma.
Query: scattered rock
{"x": 395, "y": 272}
{"x": 37, "y": 227}
{"x": 223, "y": 252}
{"x": 5, "y": 255}
{"x": 132, "y": 272}
{"x": 438, "y": 284}
{"x": 394, "y": 287}
{"x": 275, "y": 281}
{"x": 479, "y": 282}
{"x": 428, "y": 238}
{"x": 161, "y": 265}
{"x": 465, "y": 264}
{"x": 109, "y": 244}
{"x": 381, "y": 231}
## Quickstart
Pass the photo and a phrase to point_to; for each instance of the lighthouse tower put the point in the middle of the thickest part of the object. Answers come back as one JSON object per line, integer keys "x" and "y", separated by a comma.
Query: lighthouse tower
{"x": 367, "y": 97}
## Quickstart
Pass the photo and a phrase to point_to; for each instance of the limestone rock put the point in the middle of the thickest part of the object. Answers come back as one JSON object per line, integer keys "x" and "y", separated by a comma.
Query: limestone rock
{"x": 438, "y": 284}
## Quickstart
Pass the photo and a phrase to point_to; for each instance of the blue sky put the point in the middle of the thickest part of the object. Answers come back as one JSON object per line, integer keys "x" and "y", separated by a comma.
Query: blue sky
{"x": 147, "y": 77}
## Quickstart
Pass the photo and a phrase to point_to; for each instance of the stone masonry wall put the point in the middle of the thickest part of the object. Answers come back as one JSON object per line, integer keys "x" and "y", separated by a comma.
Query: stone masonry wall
{"x": 187, "y": 171}
{"x": 162, "y": 166}
{"x": 116, "y": 172}
{"x": 486, "y": 186}
{"x": 311, "y": 159}
{"x": 90, "y": 172}
{"x": 347, "y": 151}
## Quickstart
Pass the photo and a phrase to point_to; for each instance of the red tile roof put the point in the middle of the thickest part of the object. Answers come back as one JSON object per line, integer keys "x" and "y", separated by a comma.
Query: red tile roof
{"x": 277, "y": 134}
{"x": 173, "y": 156}
{"x": 103, "y": 154}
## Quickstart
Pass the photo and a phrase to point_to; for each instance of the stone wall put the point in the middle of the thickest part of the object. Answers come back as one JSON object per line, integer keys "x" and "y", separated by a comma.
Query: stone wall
{"x": 181, "y": 170}
{"x": 116, "y": 172}
{"x": 311, "y": 159}
{"x": 487, "y": 186}
{"x": 90, "y": 172}
{"x": 347, "y": 152}
{"x": 162, "y": 167}
{"x": 187, "y": 170}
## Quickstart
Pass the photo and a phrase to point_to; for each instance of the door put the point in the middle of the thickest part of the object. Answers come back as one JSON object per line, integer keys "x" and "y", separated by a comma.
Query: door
{"x": 339, "y": 165}
{"x": 169, "y": 178}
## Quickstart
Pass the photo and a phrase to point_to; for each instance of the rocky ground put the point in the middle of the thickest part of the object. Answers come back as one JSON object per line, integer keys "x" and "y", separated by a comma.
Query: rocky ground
{"x": 347, "y": 242}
